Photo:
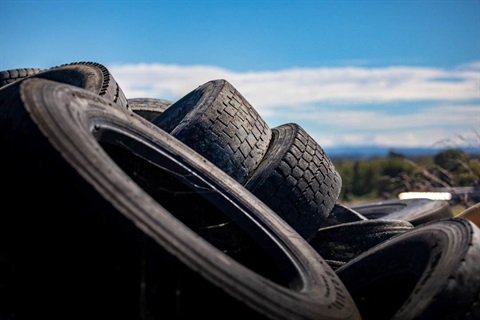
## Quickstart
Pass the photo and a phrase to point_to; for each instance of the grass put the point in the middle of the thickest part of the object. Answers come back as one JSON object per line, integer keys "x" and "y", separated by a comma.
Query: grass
{"x": 457, "y": 209}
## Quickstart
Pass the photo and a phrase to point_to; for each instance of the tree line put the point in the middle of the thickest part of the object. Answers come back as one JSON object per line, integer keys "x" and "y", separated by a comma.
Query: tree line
{"x": 386, "y": 177}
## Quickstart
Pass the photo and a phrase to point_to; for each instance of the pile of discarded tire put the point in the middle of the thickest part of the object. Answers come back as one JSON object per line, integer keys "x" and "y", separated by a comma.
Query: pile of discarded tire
{"x": 143, "y": 208}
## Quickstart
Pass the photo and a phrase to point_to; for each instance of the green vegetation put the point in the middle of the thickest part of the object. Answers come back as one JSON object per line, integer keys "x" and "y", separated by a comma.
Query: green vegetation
{"x": 383, "y": 178}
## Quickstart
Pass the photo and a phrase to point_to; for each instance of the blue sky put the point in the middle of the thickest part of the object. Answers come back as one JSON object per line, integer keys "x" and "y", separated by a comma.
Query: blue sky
{"x": 387, "y": 73}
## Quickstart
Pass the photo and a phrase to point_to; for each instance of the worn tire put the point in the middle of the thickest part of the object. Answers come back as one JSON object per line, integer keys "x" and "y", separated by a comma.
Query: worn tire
{"x": 345, "y": 241}
{"x": 415, "y": 211}
{"x": 149, "y": 108}
{"x": 91, "y": 76}
{"x": 341, "y": 214}
{"x": 12, "y": 75}
{"x": 429, "y": 272}
{"x": 296, "y": 179}
{"x": 219, "y": 123}
{"x": 97, "y": 158}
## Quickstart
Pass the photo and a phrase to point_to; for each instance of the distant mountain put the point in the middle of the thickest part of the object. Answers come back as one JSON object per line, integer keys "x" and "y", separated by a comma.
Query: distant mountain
{"x": 365, "y": 152}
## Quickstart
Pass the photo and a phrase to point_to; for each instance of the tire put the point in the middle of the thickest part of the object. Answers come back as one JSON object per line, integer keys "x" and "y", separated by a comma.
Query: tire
{"x": 91, "y": 76}
{"x": 101, "y": 199}
{"x": 297, "y": 180}
{"x": 341, "y": 214}
{"x": 345, "y": 241}
{"x": 219, "y": 123}
{"x": 429, "y": 272}
{"x": 149, "y": 108}
{"x": 415, "y": 211}
{"x": 12, "y": 75}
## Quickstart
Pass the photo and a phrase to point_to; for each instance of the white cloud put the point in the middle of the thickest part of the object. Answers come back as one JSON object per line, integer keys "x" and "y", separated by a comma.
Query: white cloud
{"x": 306, "y": 96}
{"x": 426, "y": 137}
{"x": 169, "y": 82}
{"x": 267, "y": 89}
{"x": 468, "y": 116}
{"x": 424, "y": 127}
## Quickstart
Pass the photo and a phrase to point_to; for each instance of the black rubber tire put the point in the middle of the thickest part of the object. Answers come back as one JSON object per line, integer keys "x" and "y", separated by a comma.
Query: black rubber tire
{"x": 219, "y": 123}
{"x": 12, "y": 75}
{"x": 149, "y": 108}
{"x": 297, "y": 180}
{"x": 91, "y": 76}
{"x": 341, "y": 214}
{"x": 93, "y": 155}
{"x": 345, "y": 241}
{"x": 429, "y": 272}
{"x": 415, "y": 211}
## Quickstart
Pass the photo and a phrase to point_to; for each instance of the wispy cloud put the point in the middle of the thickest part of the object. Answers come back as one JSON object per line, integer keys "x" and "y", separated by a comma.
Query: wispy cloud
{"x": 164, "y": 81}
{"x": 438, "y": 116}
{"x": 424, "y": 137}
{"x": 353, "y": 104}
{"x": 298, "y": 86}
{"x": 427, "y": 126}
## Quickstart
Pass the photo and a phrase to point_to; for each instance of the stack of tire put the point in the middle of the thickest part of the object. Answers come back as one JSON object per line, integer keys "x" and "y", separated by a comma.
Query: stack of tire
{"x": 144, "y": 208}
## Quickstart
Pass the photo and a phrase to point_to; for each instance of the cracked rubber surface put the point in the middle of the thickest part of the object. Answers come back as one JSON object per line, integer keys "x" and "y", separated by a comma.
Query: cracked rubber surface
{"x": 79, "y": 253}
{"x": 219, "y": 123}
{"x": 297, "y": 180}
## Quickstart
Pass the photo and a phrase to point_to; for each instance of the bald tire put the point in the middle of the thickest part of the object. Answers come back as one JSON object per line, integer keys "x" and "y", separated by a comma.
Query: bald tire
{"x": 149, "y": 108}
{"x": 345, "y": 241}
{"x": 297, "y": 179}
{"x": 415, "y": 211}
{"x": 12, "y": 75}
{"x": 98, "y": 159}
{"x": 428, "y": 272}
{"x": 219, "y": 123}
